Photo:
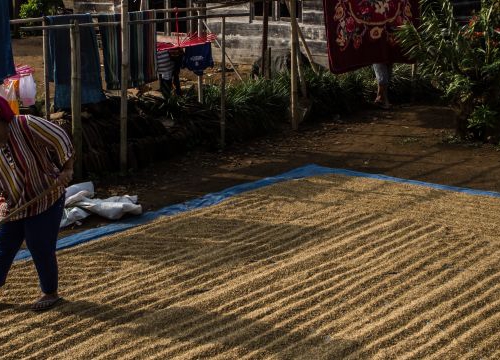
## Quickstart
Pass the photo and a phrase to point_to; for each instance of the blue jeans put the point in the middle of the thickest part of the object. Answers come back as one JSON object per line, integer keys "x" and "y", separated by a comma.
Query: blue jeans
{"x": 40, "y": 232}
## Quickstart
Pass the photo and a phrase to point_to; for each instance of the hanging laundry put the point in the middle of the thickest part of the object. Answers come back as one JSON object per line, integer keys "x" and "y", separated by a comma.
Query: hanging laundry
{"x": 60, "y": 55}
{"x": 362, "y": 32}
{"x": 165, "y": 65}
{"x": 198, "y": 58}
{"x": 169, "y": 67}
{"x": 142, "y": 50}
{"x": 6, "y": 59}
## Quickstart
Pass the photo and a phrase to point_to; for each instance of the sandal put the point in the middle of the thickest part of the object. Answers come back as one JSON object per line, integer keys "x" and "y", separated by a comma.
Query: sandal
{"x": 43, "y": 305}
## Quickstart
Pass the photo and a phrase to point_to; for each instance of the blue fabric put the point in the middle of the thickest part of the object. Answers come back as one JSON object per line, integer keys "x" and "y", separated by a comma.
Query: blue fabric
{"x": 40, "y": 233}
{"x": 198, "y": 58}
{"x": 216, "y": 198}
{"x": 6, "y": 59}
{"x": 60, "y": 61}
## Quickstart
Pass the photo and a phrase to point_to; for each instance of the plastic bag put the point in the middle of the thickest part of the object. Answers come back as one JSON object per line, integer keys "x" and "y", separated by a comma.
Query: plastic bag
{"x": 12, "y": 98}
{"x": 27, "y": 90}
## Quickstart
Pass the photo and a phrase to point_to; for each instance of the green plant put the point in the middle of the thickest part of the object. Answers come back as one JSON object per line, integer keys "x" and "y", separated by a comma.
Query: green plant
{"x": 483, "y": 118}
{"x": 36, "y": 8}
{"x": 463, "y": 61}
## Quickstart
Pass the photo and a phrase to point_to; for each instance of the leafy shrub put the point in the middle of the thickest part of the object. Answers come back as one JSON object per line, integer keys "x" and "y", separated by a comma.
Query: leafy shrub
{"x": 463, "y": 61}
{"x": 37, "y": 8}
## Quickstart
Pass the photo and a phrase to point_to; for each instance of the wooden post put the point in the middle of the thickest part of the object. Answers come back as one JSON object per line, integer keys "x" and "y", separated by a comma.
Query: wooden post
{"x": 308, "y": 51}
{"x": 304, "y": 42}
{"x": 168, "y": 24}
{"x": 265, "y": 32}
{"x": 76, "y": 98}
{"x": 200, "y": 77}
{"x": 190, "y": 27}
{"x": 46, "y": 69}
{"x": 223, "y": 87}
{"x": 269, "y": 75}
{"x": 294, "y": 91}
{"x": 124, "y": 87}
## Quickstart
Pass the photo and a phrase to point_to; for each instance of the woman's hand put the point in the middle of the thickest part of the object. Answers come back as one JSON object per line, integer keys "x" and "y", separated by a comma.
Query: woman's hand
{"x": 65, "y": 177}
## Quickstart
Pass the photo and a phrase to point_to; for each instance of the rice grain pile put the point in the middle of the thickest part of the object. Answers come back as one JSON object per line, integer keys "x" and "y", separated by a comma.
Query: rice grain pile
{"x": 322, "y": 268}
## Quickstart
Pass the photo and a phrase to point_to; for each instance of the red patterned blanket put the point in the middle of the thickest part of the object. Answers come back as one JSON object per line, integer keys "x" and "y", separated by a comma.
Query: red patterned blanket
{"x": 362, "y": 32}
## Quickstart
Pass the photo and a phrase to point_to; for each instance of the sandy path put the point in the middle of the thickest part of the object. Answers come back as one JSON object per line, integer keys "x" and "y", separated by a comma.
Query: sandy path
{"x": 321, "y": 268}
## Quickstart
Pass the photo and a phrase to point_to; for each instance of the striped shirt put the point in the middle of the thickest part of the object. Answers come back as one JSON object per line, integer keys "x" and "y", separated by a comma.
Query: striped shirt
{"x": 30, "y": 162}
{"x": 165, "y": 65}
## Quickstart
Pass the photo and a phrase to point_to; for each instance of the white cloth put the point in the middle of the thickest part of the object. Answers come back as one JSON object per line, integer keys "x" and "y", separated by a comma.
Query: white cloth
{"x": 80, "y": 204}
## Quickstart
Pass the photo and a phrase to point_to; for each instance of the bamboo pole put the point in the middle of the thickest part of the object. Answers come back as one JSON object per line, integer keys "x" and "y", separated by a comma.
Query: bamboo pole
{"x": 168, "y": 24}
{"x": 304, "y": 42}
{"x": 265, "y": 32}
{"x": 223, "y": 88}
{"x": 124, "y": 86}
{"x": 200, "y": 33}
{"x": 294, "y": 93}
{"x": 227, "y": 55}
{"x": 76, "y": 98}
{"x": 269, "y": 75}
{"x": 308, "y": 51}
{"x": 40, "y": 19}
{"x": 189, "y": 4}
{"x": 46, "y": 70}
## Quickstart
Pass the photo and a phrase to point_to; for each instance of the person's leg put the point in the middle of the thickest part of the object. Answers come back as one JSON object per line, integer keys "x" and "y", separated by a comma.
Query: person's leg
{"x": 11, "y": 239}
{"x": 41, "y": 236}
{"x": 382, "y": 73}
{"x": 177, "y": 83}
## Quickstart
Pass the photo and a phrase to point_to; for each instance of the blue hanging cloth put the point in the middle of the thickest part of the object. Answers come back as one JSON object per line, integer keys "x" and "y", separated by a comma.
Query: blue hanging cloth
{"x": 60, "y": 61}
{"x": 198, "y": 58}
{"x": 6, "y": 59}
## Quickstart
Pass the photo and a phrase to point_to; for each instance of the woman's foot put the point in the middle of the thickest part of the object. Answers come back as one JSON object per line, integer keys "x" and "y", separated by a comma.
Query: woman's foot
{"x": 46, "y": 302}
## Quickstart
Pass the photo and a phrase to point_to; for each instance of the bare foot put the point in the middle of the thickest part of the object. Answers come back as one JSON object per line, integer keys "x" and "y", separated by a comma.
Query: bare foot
{"x": 46, "y": 302}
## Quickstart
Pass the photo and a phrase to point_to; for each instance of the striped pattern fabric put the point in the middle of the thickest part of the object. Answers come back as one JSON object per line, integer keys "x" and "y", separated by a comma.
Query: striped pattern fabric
{"x": 142, "y": 50}
{"x": 165, "y": 65}
{"x": 111, "y": 47}
{"x": 29, "y": 164}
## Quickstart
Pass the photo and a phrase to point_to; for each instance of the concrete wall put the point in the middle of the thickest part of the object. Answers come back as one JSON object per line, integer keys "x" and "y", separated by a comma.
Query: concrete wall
{"x": 91, "y": 6}
{"x": 244, "y": 39}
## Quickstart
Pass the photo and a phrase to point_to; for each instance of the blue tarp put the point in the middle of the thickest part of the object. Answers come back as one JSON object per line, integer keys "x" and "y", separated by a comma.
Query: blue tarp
{"x": 216, "y": 198}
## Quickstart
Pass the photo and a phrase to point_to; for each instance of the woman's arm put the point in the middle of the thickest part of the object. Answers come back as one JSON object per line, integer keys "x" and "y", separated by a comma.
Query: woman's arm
{"x": 66, "y": 174}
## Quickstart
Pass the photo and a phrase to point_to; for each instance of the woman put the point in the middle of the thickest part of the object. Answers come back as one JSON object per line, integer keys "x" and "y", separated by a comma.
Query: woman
{"x": 36, "y": 158}
{"x": 383, "y": 73}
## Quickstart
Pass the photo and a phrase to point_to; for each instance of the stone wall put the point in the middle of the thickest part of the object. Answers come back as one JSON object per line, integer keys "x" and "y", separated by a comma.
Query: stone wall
{"x": 244, "y": 38}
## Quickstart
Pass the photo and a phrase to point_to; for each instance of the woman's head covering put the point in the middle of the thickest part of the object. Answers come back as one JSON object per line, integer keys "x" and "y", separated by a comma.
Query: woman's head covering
{"x": 6, "y": 114}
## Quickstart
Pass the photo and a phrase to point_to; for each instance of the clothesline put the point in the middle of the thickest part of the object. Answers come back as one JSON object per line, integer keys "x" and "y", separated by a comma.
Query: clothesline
{"x": 134, "y": 22}
{"x": 173, "y": 10}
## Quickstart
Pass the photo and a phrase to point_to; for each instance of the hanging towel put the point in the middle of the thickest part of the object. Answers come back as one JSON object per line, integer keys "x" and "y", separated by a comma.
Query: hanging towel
{"x": 142, "y": 50}
{"x": 198, "y": 58}
{"x": 362, "y": 32}
{"x": 6, "y": 60}
{"x": 111, "y": 50}
{"x": 60, "y": 61}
